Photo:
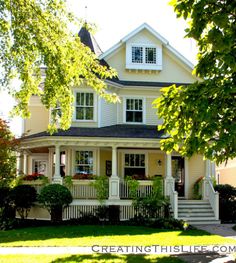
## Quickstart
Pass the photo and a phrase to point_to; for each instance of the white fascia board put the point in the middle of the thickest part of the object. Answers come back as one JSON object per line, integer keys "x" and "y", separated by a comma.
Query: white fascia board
{"x": 110, "y": 50}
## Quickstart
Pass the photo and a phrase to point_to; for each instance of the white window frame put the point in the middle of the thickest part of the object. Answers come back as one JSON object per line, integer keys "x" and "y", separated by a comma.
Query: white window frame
{"x": 143, "y": 66}
{"x": 95, "y": 105}
{"x": 145, "y": 152}
{"x": 38, "y": 158}
{"x": 94, "y": 150}
{"x": 124, "y": 109}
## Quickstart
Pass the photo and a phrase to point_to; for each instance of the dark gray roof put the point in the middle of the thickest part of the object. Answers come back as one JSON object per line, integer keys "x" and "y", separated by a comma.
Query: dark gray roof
{"x": 114, "y": 131}
{"x": 88, "y": 40}
{"x": 147, "y": 83}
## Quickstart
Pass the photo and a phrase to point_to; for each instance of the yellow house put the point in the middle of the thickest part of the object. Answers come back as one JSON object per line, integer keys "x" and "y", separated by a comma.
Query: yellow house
{"x": 119, "y": 140}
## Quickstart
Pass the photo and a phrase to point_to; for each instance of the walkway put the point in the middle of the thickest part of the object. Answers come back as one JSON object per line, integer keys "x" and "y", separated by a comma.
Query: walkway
{"x": 224, "y": 230}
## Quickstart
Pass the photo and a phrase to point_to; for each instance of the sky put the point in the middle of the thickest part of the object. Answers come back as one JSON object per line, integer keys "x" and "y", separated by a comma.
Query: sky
{"x": 115, "y": 19}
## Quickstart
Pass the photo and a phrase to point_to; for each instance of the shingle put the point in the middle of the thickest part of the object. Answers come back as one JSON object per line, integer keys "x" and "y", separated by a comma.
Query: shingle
{"x": 114, "y": 131}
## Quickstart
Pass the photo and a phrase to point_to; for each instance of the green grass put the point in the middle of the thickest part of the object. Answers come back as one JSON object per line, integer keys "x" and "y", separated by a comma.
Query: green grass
{"x": 106, "y": 235}
{"x": 94, "y": 258}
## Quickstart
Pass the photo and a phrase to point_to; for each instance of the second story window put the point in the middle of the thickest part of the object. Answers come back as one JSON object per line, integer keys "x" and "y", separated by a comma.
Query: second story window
{"x": 150, "y": 55}
{"x": 84, "y": 106}
{"x": 134, "y": 110}
{"x": 137, "y": 55}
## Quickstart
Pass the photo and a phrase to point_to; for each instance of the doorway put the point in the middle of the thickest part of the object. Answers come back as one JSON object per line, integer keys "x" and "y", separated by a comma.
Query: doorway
{"x": 178, "y": 174}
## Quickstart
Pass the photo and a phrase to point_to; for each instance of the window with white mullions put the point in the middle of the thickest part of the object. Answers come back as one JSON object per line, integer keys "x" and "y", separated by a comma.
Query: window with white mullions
{"x": 84, "y": 162}
{"x": 137, "y": 54}
{"x": 135, "y": 165}
{"x": 150, "y": 55}
{"x": 84, "y": 106}
{"x": 134, "y": 110}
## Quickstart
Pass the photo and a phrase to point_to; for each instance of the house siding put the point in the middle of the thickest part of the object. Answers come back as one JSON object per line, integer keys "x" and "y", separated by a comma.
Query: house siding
{"x": 109, "y": 113}
{"x": 196, "y": 169}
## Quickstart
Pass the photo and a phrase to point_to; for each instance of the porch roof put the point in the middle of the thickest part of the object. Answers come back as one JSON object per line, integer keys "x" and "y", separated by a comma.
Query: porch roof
{"x": 115, "y": 131}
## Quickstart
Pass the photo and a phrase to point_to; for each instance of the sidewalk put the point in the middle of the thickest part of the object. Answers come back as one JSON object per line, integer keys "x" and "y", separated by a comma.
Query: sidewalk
{"x": 224, "y": 230}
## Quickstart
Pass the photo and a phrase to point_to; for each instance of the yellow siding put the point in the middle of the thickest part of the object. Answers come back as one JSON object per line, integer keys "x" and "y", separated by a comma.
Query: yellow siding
{"x": 227, "y": 173}
{"x": 38, "y": 120}
{"x": 196, "y": 169}
{"x": 172, "y": 70}
{"x": 153, "y": 167}
{"x": 105, "y": 155}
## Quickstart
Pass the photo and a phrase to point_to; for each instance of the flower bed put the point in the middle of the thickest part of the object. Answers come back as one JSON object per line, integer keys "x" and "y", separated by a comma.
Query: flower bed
{"x": 33, "y": 177}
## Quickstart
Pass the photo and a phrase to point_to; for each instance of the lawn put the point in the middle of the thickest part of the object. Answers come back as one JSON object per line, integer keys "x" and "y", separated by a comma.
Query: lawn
{"x": 94, "y": 258}
{"x": 106, "y": 235}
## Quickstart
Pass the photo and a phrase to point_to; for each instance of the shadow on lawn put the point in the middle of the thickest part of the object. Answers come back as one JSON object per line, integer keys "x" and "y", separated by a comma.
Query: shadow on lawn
{"x": 96, "y": 258}
{"x": 78, "y": 231}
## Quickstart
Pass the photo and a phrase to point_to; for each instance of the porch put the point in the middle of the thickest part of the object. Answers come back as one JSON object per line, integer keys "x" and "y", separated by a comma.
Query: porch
{"x": 117, "y": 159}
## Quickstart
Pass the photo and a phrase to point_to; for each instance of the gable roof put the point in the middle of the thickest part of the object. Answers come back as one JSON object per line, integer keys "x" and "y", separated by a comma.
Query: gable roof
{"x": 164, "y": 42}
{"x": 88, "y": 40}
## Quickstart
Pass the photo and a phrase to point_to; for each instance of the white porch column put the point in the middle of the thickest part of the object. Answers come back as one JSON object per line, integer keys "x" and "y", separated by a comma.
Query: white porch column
{"x": 205, "y": 189}
{"x": 207, "y": 169}
{"x": 114, "y": 180}
{"x": 25, "y": 165}
{"x": 18, "y": 165}
{"x": 57, "y": 176}
{"x": 169, "y": 180}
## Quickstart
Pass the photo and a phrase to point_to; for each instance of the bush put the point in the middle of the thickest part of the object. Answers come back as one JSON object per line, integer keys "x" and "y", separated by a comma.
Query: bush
{"x": 23, "y": 198}
{"x": 55, "y": 198}
{"x": 227, "y": 196}
{"x": 101, "y": 184}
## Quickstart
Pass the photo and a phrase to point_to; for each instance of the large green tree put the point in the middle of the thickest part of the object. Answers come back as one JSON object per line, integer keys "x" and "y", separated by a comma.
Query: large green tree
{"x": 201, "y": 118}
{"x": 36, "y": 33}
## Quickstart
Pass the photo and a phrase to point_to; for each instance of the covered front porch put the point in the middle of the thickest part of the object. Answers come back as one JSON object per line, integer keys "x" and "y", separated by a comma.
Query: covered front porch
{"x": 84, "y": 159}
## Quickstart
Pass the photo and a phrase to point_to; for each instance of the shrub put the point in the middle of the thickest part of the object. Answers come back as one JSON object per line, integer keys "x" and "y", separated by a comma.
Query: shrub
{"x": 55, "y": 198}
{"x": 101, "y": 185}
{"x": 227, "y": 196}
{"x": 23, "y": 198}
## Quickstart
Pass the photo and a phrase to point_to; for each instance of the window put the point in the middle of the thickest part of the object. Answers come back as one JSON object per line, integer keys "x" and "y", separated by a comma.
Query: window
{"x": 84, "y": 106}
{"x": 84, "y": 162}
{"x": 135, "y": 165}
{"x": 150, "y": 55}
{"x": 134, "y": 110}
{"x": 40, "y": 167}
{"x": 137, "y": 55}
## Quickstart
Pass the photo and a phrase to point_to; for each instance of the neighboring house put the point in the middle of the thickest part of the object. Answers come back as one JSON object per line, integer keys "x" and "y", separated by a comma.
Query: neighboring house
{"x": 122, "y": 139}
{"x": 226, "y": 173}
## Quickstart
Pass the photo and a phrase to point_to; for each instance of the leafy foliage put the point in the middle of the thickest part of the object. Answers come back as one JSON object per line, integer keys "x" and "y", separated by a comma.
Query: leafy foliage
{"x": 227, "y": 202}
{"x": 35, "y": 34}
{"x": 200, "y": 118}
{"x": 133, "y": 185}
{"x": 101, "y": 185}
{"x": 23, "y": 198}
{"x": 8, "y": 148}
{"x": 53, "y": 196}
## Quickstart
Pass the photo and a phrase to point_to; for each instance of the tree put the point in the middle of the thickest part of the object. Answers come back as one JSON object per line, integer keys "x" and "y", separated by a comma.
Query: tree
{"x": 35, "y": 34}
{"x": 201, "y": 118}
{"x": 8, "y": 148}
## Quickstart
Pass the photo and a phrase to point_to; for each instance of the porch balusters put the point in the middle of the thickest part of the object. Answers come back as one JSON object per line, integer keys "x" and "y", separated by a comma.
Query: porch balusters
{"x": 114, "y": 180}
{"x": 57, "y": 176}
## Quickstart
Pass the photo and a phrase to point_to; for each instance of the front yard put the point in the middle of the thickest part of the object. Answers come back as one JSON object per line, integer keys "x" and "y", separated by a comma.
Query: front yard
{"x": 83, "y": 235}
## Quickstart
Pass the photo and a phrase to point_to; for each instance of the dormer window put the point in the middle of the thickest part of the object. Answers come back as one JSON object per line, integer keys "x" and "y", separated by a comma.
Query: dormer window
{"x": 143, "y": 56}
{"x": 137, "y": 55}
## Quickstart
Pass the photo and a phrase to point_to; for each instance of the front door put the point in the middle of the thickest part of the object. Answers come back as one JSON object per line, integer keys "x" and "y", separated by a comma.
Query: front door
{"x": 178, "y": 174}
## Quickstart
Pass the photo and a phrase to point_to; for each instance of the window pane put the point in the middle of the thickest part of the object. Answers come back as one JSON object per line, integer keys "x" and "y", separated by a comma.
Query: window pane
{"x": 136, "y": 104}
{"x": 89, "y": 99}
{"x": 150, "y": 55}
{"x": 142, "y": 163}
{"x": 126, "y": 159}
{"x": 128, "y": 104}
{"x": 131, "y": 159}
{"x": 138, "y": 116}
{"x": 140, "y": 107}
{"x": 137, "y": 160}
{"x": 129, "y": 116}
{"x": 137, "y": 55}
{"x": 80, "y": 113}
{"x": 88, "y": 113}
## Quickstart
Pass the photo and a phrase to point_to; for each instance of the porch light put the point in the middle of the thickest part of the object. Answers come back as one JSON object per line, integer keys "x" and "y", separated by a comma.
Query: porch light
{"x": 159, "y": 162}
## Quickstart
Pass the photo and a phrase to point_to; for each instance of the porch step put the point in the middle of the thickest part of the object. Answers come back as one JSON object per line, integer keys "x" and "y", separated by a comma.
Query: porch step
{"x": 196, "y": 212}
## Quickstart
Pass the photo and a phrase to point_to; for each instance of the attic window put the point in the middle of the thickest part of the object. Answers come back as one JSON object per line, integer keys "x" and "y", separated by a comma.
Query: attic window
{"x": 137, "y": 55}
{"x": 150, "y": 55}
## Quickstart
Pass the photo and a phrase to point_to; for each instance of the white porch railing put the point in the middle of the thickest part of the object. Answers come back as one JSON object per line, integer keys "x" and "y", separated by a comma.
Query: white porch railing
{"x": 174, "y": 201}
{"x": 144, "y": 189}
{"x": 82, "y": 189}
{"x": 210, "y": 194}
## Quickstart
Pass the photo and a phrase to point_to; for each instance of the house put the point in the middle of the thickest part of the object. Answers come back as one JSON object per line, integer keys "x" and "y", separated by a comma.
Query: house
{"x": 122, "y": 139}
{"x": 226, "y": 173}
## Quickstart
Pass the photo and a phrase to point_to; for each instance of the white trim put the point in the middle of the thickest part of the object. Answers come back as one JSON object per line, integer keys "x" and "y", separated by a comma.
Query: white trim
{"x": 186, "y": 178}
{"x": 95, "y": 105}
{"x": 157, "y": 35}
{"x": 38, "y": 157}
{"x": 143, "y": 110}
{"x": 99, "y": 110}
